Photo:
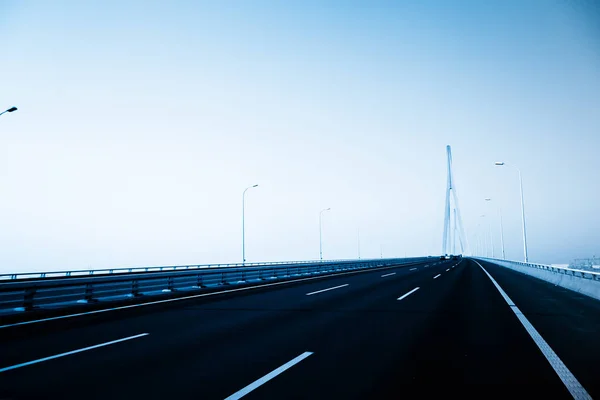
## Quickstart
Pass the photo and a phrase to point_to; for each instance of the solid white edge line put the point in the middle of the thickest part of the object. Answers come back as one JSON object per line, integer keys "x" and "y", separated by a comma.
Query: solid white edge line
{"x": 325, "y": 290}
{"x": 393, "y": 273}
{"x": 565, "y": 375}
{"x": 198, "y": 295}
{"x": 68, "y": 353}
{"x": 241, "y": 393}
{"x": 408, "y": 294}
{"x": 437, "y": 276}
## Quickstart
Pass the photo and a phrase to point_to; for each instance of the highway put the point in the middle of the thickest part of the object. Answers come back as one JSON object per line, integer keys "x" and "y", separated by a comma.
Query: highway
{"x": 425, "y": 329}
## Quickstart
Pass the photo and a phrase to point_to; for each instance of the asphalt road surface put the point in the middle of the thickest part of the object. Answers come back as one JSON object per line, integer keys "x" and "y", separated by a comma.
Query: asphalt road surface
{"x": 436, "y": 328}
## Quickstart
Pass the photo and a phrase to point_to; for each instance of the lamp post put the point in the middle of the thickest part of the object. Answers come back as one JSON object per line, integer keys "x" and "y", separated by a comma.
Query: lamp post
{"x": 490, "y": 227}
{"x": 485, "y": 240}
{"x": 501, "y": 231}
{"x": 358, "y": 244}
{"x": 321, "y": 233}
{"x": 500, "y": 163}
{"x": 12, "y": 109}
{"x": 244, "y": 222}
{"x": 501, "y": 234}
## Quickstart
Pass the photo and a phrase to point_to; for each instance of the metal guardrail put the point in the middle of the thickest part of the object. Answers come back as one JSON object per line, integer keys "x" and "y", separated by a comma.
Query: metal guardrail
{"x": 25, "y": 295}
{"x": 560, "y": 270}
{"x": 109, "y": 271}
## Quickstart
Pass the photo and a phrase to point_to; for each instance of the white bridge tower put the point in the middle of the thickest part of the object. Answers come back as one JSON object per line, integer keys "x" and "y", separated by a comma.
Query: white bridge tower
{"x": 454, "y": 233}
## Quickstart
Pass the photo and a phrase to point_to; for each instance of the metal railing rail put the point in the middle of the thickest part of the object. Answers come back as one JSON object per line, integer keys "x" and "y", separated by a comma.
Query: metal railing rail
{"x": 121, "y": 270}
{"x": 24, "y": 295}
{"x": 560, "y": 270}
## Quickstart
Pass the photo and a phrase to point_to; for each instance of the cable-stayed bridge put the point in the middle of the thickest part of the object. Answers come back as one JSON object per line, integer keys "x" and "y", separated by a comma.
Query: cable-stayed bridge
{"x": 450, "y": 324}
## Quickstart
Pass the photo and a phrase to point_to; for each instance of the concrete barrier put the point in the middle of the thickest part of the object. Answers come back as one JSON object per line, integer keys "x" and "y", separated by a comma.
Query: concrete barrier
{"x": 580, "y": 281}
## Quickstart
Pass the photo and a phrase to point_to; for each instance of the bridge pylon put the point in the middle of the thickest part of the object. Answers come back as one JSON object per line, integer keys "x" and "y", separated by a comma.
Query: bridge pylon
{"x": 454, "y": 232}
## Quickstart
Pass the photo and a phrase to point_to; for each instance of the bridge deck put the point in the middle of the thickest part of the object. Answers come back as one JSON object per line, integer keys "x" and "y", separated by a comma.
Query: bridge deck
{"x": 356, "y": 335}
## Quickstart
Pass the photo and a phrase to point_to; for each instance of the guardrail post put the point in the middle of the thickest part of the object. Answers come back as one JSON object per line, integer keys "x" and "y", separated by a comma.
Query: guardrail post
{"x": 223, "y": 281}
{"x": 28, "y": 299}
{"x": 199, "y": 283}
{"x": 170, "y": 285}
{"x": 89, "y": 293}
{"x": 135, "y": 292}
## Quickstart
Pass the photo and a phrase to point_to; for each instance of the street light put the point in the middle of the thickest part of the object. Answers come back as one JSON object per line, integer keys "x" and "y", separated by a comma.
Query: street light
{"x": 501, "y": 234}
{"x": 358, "y": 244}
{"x": 490, "y": 226}
{"x": 501, "y": 231}
{"x": 12, "y": 109}
{"x": 499, "y": 163}
{"x": 244, "y": 222}
{"x": 478, "y": 237}
{"x": 485, "y": 240}
{"x": 321, "y": 233}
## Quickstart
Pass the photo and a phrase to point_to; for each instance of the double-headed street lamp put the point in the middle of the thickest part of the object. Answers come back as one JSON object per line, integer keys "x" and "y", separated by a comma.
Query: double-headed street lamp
{"x": 321, "y": 233}
{"x": 244, "y": 223}
{"x": 12, "y": 109}
{"x": 522, "y": 208}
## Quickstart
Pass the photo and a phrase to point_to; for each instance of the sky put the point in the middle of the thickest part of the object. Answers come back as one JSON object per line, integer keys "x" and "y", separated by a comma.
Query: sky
{"x": 141, "y": 123}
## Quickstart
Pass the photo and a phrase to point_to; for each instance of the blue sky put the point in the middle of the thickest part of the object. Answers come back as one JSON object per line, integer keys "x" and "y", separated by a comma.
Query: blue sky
{"x": 140, "y": 124}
